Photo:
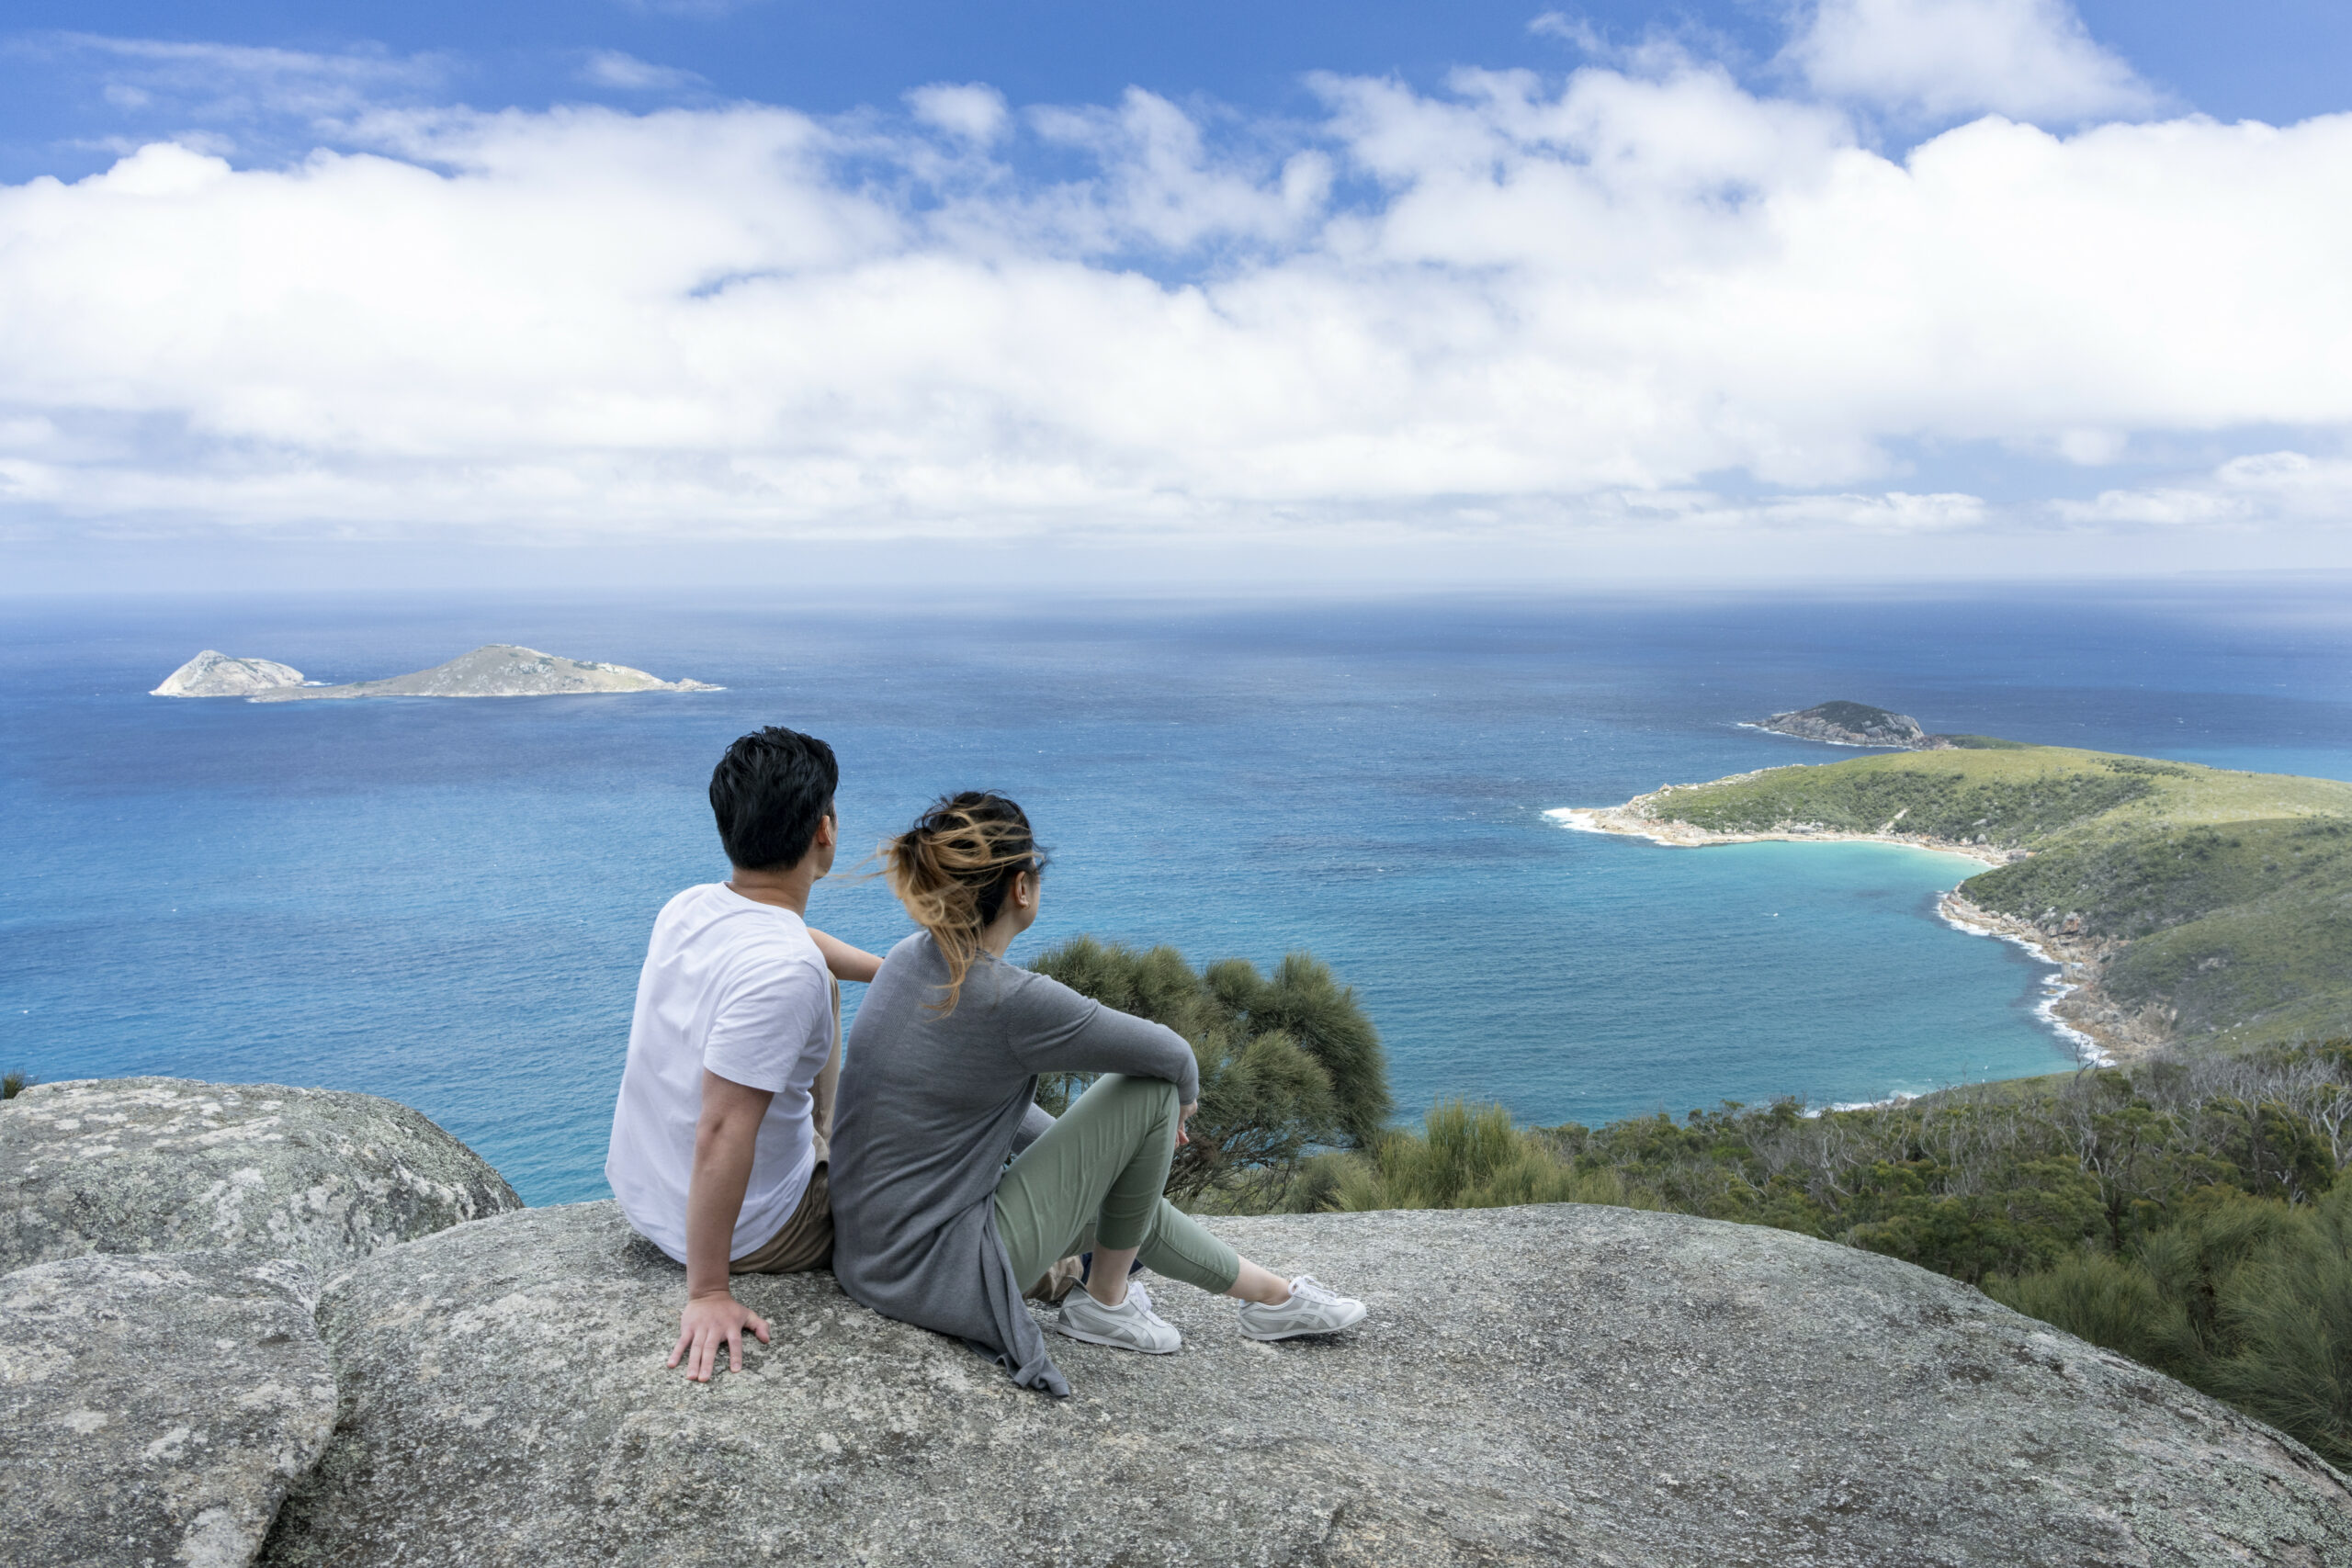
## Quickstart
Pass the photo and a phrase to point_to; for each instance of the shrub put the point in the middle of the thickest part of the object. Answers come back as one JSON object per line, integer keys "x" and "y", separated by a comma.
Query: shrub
{"x": 2100, "y": 1298}
{"x": 1289, "y": 1063}
{"x": 2287, "y": 1313}
{"x": 1470, "y": 1157}
{"x": 2246, "y": 1298}
{"x": 15, "y": 1084}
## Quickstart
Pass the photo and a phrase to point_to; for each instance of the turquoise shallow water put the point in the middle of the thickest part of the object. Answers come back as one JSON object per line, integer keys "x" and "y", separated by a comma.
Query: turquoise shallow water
{"x": 446, "y": 902}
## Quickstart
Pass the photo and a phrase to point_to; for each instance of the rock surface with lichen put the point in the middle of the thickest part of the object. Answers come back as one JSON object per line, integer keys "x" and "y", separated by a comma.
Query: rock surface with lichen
{"x": 167, "y": 1165}
{"x": 1558, "y": 1384}
{"x": 154, "y": 1409}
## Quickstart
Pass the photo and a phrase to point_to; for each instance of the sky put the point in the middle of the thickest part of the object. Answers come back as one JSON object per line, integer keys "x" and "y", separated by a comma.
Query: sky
{"x": 620, "y": 292}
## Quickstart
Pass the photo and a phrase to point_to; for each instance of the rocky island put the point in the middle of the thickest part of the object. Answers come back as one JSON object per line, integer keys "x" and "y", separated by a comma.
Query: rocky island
{"x": 1855, "y": 724}
{"x": 248, "y": 1323}
{"x": 497, "y": 670}
{"x": 2183, "y": 903}
{"x": 212, "y": 674}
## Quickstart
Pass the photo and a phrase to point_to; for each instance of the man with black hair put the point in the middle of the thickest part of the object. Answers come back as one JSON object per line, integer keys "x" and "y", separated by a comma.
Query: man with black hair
{"x": 718, "y": 1154}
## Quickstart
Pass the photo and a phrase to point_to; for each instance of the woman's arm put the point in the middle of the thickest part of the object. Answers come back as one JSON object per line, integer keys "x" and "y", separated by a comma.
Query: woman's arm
{"x": 847, "y": 963}
{"x": 1052, "y": 1029}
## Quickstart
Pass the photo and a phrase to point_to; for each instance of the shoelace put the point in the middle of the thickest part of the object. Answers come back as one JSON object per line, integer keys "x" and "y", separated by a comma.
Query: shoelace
{"x": 1311, "y": 1289}
{"x": 1138, "y": 1297}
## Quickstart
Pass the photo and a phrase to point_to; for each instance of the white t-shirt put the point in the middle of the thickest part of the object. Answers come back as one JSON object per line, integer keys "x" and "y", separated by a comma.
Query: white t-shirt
{"x": 736, "y": 986}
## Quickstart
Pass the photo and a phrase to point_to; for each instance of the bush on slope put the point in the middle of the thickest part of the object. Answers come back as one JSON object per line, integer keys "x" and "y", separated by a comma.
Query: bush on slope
{"x": 1288, "y": 1061}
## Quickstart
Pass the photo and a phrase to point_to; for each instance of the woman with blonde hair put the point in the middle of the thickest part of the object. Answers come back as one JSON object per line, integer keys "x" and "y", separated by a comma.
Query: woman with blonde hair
{"x": 930, "y": 1225}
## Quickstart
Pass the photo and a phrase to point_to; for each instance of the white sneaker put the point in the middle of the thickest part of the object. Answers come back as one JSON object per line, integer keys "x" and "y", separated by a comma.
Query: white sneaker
{"x": 1312, "y": 1309}
{"x": 1130, "y": 1326}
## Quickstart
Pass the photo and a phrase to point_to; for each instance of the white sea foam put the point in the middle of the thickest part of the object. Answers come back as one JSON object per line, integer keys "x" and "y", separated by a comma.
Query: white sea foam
{"x": 1892, "y": 1100}
{"x": 1576, "y": 818}
{"x": 2055, "y": 988}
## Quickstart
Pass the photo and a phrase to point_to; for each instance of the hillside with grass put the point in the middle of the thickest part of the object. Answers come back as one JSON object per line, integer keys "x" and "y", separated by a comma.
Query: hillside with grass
{"x": 2212, "y": 904}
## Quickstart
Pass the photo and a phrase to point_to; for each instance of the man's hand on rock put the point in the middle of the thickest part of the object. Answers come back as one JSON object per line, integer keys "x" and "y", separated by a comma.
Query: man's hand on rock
{"x": 709, "y": 1322}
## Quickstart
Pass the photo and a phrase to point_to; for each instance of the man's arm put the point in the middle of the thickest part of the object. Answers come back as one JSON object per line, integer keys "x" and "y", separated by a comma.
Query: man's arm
{"x": 847, "y": 963}
{"x": 724, "y": 1139}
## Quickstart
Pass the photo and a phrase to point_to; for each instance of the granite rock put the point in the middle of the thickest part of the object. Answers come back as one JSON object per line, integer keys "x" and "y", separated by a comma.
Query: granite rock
{"x": 161, "y": 1165}
{"x": 1557, "y": 1384}
{"x": 153, "y": 1410}
{"x": 496, "y": 670}
{"x": 212, "y": 674}
{"x": 1852, "y": 723}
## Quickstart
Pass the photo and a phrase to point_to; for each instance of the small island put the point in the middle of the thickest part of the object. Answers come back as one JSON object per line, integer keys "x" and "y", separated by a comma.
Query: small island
{"x": 2186, "y": 905}
{"x": 498, "y": 670}
{"x": 1855, "y": 724}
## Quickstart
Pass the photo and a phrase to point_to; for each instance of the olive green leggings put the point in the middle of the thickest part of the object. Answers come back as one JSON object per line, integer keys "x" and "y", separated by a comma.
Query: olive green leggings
{"x": 1095, "y": 1178}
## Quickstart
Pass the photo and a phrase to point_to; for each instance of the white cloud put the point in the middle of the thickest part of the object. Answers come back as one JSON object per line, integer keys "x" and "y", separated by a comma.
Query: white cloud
{"x": 972, "y": 110}
{"x": 1944, "y": 60}
{"x": 611, "y": 68}
{"x": 234, "y": 83}
{"x": 1577, "y": 32}
{"x": 1657, "y": 301}
{"x": 2267, "y": 487}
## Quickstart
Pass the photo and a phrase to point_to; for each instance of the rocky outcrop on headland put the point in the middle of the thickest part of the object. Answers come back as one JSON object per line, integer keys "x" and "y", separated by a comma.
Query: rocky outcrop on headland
{"x": 1539, "y": 1385}
{"x": 166, "y": 1165}
{"x": 1557, "y": 1385}
{"x": 212, "y": 674}
{"x": 497, "y": 670}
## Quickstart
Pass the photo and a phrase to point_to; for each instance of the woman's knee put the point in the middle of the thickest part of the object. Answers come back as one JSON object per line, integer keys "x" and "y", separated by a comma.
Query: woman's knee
{"x": 1158, "y": 1093}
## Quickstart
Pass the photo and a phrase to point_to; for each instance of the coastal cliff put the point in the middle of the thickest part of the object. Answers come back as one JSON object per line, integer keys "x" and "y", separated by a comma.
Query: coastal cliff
{"x": 2182, "y": 902}
{"x": 1554, "y": 1383}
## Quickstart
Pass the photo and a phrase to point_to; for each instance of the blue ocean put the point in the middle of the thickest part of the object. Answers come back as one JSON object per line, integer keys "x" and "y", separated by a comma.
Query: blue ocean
{"x": 446, "y": 902}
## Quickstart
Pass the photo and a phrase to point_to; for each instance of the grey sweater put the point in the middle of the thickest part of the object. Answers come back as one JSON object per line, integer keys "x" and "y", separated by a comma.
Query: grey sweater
{"x": 930, "y": 1110}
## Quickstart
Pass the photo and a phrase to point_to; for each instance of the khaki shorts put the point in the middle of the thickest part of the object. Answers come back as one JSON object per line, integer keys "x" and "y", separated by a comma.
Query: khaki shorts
{"x": 806, "y": 1241}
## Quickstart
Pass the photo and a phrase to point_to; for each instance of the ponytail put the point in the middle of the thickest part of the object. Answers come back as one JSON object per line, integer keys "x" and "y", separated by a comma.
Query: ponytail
{"x": 952, "y": 869}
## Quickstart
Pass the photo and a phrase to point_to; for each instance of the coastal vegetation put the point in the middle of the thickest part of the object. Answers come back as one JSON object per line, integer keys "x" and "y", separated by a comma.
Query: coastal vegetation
{"x": 2241, "y": 930}
{"x": 2190, "y": 1208}
{"x": 1289, "y": 1062}
{"x": 2221, "y": 901}
{"x": 2006, "y": 794}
